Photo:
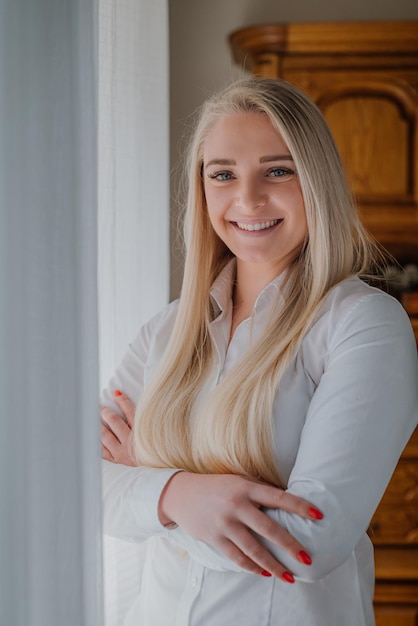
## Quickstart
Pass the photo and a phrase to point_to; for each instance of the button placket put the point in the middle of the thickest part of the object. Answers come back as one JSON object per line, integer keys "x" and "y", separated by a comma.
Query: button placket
{"x": 191, "y": 592}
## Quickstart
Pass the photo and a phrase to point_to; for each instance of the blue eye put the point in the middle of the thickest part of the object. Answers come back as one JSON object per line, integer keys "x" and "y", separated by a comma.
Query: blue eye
{"x": 220, "y": 176}
{"x": 280, "y": 172}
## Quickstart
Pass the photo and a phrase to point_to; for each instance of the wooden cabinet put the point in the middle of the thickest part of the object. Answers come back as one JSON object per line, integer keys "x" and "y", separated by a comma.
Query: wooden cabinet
{"x": 396, "y": 520}
{"x": 364, "y": 78}
{"x": 394, "y": 532}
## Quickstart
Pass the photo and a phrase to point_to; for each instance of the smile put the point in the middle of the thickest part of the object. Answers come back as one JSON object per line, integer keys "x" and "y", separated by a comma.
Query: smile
{"x": 258, "y": 226}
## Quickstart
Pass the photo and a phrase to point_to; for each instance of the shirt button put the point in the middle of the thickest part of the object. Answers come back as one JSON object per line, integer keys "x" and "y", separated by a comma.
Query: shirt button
{"x": 194, "y": 582}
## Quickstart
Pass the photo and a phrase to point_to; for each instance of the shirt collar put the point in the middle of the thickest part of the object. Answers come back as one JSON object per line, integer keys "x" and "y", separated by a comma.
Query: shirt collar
{"x": 221, "y": 291}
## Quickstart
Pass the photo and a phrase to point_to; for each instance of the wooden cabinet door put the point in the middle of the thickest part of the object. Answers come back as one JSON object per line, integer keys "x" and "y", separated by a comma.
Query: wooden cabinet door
{"x": 396, "y": 616}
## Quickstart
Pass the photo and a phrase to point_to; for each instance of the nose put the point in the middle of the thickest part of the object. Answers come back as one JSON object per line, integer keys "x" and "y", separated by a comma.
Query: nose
{"x": 250, "y": 195}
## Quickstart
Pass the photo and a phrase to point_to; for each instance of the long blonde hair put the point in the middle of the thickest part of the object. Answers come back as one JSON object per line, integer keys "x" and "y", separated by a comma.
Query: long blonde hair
{"x": 232, "y": 431}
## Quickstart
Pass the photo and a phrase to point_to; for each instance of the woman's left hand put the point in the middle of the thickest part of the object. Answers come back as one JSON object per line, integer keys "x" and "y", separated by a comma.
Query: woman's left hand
{"x": 117, "y": 445}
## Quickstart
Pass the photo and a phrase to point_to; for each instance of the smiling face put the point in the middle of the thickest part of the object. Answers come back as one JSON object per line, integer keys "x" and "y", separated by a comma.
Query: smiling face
{"x": 252, "y": 191}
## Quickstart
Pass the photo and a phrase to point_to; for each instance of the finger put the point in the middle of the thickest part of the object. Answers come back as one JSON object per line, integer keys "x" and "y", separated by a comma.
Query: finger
{"x": 106, "y": 412}
{"x": 116, "y": 424}
{"x": 275, "y": 498}
{"x": 249, "y": 554}
{"x": 109, "y": 441}
{"x": 106, "y": 454}
{"x": 237, "y": 556}
{"x": 127, "y": 406}
{"x": 260, "y": 523}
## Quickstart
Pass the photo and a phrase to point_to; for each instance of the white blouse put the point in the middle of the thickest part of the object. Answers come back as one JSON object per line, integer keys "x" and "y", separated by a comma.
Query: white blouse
{"x": 347, "y": 406}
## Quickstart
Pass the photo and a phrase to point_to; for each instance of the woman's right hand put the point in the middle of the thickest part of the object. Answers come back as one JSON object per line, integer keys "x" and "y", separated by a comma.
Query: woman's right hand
{"x": 224, "y": 510}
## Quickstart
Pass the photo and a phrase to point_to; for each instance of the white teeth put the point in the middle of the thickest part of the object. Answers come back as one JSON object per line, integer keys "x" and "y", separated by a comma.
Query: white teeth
{"x": 259, "y": 226}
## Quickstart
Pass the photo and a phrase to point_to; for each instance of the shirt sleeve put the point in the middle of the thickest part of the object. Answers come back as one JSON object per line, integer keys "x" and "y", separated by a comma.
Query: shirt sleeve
{"x": 358, "y": 422}
{"x": 130, "y": 495}
{"x": 130, "y": 501}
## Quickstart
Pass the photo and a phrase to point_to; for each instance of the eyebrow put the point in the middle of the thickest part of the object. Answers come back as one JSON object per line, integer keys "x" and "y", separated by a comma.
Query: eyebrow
{"x": 276, "y": 157}
{"x": 264, "y": 159}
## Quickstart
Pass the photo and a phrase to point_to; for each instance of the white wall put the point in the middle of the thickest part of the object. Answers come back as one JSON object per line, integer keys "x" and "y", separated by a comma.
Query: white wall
{"x": 200, "y": 58}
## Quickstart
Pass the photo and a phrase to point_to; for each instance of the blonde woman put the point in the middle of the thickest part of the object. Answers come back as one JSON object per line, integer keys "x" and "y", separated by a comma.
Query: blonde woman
{"x": 273, "y": 399}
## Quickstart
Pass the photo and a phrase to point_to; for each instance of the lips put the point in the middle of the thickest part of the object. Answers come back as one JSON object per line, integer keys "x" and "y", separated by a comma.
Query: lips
{"x": 257, "y": 226}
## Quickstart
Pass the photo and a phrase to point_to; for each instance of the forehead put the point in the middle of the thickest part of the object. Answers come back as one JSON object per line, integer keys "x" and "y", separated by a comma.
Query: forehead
{"x": 236, "y": 132}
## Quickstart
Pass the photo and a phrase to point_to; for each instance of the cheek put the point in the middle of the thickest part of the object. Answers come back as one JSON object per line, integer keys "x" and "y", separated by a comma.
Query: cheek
{"x": 299, "y": 211}
{"x": 209, "y": 199}
{"x": 215, "y": 205}
{"x": 216, "y": 223}
{"x": 302, "y": 222}
{"x": 212, "y": 215}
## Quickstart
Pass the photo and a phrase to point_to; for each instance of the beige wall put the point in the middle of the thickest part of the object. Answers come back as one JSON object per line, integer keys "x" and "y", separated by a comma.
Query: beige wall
{"x": 200, "y": 59}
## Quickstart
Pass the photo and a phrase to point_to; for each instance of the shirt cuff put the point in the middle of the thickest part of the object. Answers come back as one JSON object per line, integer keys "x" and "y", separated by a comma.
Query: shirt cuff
{"x": 131, "y": 496}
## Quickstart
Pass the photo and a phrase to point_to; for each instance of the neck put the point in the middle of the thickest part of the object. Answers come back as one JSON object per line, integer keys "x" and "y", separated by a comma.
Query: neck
{"x": 250, "y": 282}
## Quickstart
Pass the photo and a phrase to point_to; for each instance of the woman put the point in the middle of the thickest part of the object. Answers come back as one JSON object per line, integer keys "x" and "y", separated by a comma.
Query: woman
{"x": 281, "y": 384}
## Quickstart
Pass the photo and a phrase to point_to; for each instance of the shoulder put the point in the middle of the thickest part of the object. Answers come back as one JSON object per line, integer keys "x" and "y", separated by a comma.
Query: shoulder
{"x": 353, "y": 304}
{"x": 356, "y": 314}
{"x": 157, "y": 329}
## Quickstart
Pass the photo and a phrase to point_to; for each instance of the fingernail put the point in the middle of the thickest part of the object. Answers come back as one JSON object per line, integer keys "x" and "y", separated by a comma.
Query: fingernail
{"x": 117, "y": 393}
{"x": 315, "y": 513}
{"x": 264, "y": 572}
{"x": 304, "y": 557}
{"x": 288, "y": 577}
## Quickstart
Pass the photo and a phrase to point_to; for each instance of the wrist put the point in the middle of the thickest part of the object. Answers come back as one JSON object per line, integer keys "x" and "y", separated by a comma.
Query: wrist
{"x": 165, "y": 513}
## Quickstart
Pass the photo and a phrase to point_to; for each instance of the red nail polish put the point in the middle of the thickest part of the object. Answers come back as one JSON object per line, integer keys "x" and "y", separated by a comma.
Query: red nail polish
{"x": 265, "y": 573}
{"x": 288, "y": 577}
{"x": 304, "y": 557}
{"x": 117, "y": 393}
{"x": 315, "y": 513}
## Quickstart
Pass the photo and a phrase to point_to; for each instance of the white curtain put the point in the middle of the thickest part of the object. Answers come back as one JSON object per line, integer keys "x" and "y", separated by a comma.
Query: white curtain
{"x": 133, "y": 211}
{"x": 133, "y": 170}
{"x": 49, "y": 452}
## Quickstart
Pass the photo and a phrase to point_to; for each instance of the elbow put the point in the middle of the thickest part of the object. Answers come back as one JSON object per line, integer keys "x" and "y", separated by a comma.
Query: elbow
{"x": 331, "y": 552}
{"x": 330, "y": 543}
{"x": 327, "y": 563}
{"x": 340, "y": 551}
